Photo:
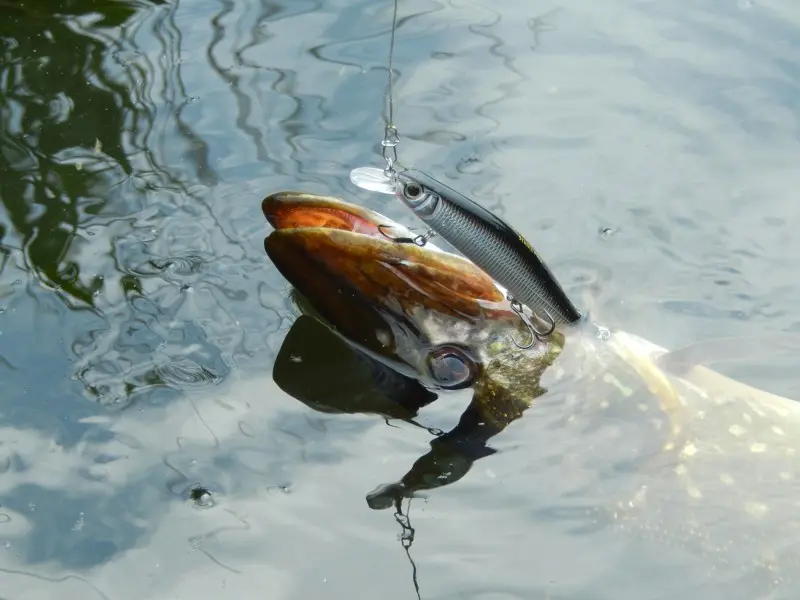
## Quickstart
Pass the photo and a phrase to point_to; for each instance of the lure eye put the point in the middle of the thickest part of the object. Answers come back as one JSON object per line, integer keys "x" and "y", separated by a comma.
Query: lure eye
{"x": 412, "y": 191}
{"x": 452, "y": 367}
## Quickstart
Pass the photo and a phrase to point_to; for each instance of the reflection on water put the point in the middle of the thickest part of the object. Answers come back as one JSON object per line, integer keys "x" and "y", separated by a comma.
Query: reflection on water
{"x": 108, "y": 206}
{"x": 140, "y": 321}
{"x": 319, "y": 369}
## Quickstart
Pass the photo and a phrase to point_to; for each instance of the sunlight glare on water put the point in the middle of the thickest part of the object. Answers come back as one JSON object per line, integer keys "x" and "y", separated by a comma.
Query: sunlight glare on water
{"x": 647, "y": 149}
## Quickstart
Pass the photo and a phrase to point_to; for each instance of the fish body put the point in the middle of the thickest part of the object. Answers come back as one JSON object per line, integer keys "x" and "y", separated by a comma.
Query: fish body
{"x": 669, "y": 452}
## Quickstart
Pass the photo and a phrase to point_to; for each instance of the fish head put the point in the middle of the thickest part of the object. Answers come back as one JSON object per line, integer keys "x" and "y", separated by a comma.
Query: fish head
{"x": 427, "y": 313}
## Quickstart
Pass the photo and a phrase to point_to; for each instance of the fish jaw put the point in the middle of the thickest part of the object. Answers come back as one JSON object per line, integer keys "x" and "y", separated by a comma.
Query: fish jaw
{"x": 300, "y": 210}
{"x": 350, "y": 244}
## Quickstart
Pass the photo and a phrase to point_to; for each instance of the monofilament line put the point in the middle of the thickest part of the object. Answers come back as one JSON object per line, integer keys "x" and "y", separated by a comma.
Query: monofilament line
{"x": 390, "y": 137}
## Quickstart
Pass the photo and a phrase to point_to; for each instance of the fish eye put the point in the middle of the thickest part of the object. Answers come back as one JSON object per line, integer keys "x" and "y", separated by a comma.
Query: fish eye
{"x": 412, "y": 190}
{"x": 452, "y": 367}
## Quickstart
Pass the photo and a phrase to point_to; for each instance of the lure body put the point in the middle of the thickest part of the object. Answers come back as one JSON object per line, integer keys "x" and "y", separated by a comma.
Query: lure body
{"x": 488, "y": 241}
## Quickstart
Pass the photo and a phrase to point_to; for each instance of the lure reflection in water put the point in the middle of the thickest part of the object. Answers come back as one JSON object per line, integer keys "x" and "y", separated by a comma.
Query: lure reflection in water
{"x": 666, "y": 451}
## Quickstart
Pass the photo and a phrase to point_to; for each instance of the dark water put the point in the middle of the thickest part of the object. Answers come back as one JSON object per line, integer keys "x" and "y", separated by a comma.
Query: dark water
{"x": 140, "y": 319}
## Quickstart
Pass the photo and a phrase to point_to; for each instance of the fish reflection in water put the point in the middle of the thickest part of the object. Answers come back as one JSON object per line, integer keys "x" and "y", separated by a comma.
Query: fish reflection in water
{"x": 661, "y": 448}
{"x": 318, "y": 368}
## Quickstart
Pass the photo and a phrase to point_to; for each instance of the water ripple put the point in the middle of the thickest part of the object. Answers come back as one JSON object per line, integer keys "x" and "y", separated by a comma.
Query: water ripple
{"x": 136, "y": 143}
{"x": 184, "y": 373}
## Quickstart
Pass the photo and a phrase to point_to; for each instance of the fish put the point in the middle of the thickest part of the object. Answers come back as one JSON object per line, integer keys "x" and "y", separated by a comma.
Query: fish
{"x": 711, "y": 462}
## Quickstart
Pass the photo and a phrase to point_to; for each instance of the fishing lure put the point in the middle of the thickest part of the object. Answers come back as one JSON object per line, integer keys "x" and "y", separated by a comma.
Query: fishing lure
{"x": 481, "y": 236}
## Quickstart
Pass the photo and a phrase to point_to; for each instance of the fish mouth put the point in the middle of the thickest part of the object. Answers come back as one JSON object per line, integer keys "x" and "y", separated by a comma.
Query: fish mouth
{"x": 422, "y": 311}
{"x": 357, "y": 251}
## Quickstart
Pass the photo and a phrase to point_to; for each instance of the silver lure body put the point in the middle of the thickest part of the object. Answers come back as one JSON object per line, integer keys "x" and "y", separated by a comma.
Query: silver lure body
{"x": 488, "y": 241}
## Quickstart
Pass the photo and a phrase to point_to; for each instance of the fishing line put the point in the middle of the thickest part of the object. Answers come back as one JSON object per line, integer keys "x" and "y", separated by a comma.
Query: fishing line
{"x": 477, "y": 233}
{"x": 390, "y": 137}
{"x": 407, "y": 538}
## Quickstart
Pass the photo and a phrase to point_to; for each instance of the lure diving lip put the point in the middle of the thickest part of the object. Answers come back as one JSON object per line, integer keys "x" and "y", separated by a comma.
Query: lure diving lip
{"x": 373, "y": 180}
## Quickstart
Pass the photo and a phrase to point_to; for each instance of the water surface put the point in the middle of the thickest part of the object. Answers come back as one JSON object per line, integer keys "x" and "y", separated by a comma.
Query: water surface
{"x": 649, "y": 146}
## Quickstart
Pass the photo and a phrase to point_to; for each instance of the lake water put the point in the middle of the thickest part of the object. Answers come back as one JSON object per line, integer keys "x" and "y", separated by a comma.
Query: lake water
{"x": 651, "y": 146}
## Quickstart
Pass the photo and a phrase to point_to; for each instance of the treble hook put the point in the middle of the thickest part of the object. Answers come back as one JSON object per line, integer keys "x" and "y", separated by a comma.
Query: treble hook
{"x": 419, "y": 240}
{"x": 516, "y": 307}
